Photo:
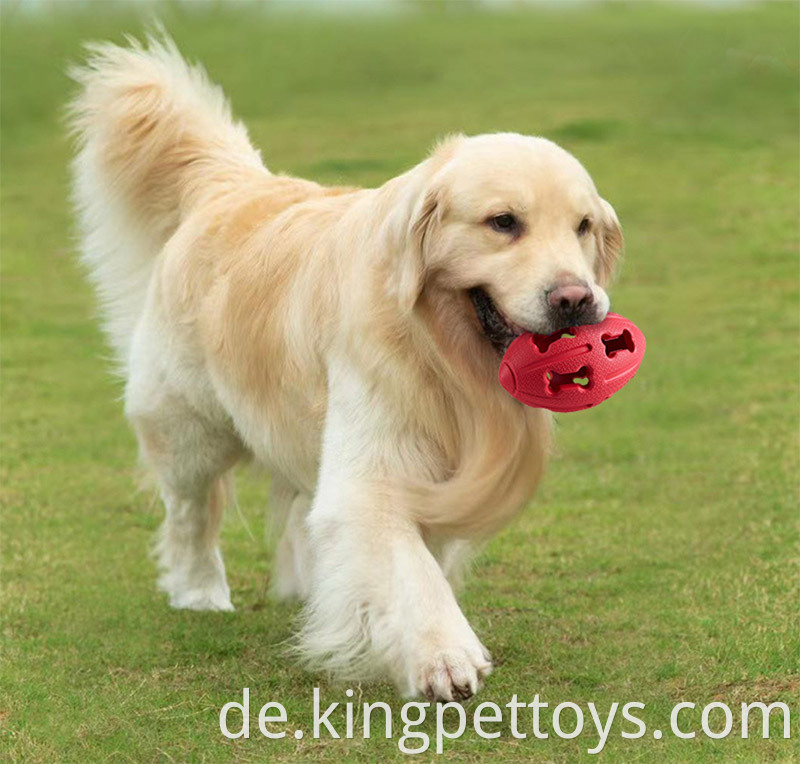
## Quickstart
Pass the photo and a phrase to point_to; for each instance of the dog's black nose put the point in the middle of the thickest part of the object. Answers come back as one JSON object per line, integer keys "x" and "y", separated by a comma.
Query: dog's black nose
{"x": 570, "y": 303}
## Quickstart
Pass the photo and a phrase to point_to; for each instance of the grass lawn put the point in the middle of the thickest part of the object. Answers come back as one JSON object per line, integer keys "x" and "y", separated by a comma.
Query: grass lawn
{"x": 659, "y": 561}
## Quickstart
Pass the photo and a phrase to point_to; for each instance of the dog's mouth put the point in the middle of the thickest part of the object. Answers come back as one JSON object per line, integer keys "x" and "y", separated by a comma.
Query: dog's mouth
{"x": 498, "y": 329}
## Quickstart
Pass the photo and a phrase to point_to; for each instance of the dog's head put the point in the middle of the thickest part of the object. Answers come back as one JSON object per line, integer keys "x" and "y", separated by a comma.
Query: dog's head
{"x": 512, "y": 231}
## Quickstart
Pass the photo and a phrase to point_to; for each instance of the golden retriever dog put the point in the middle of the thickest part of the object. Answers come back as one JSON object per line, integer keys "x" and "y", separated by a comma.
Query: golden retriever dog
{"x": 347, "y": 339}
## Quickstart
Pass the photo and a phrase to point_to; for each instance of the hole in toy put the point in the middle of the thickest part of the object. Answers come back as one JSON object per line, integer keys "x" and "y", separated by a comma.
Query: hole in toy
{"x": 543, "y": 341}
{"x": 622, "y": 341}
{"x": 579, "y": 378}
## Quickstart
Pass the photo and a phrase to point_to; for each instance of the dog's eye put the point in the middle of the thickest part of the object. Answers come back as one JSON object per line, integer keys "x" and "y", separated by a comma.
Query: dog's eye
{"x": 584, "y": 226}
{"x": 505, "y": 223}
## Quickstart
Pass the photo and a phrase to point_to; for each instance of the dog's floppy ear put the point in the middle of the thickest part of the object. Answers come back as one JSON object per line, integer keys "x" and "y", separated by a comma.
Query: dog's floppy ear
{"x": 425, "y": 216}
{"x": 426, "y": 196}
{"x": 609, "y": 244}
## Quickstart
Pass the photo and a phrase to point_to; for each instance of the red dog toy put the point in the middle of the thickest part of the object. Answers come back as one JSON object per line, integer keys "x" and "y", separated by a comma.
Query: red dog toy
{"x": 573, "y": 369}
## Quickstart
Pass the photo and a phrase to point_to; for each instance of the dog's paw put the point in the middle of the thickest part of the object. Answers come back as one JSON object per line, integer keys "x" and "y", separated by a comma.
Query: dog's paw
{"x": 201, "y": 599}
{"x": 454, "y": 673}
{"x": 212, "y": 594}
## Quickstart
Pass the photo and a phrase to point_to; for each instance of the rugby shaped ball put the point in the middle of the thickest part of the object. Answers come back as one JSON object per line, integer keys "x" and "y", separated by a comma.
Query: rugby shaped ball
{"x": 573, "y": 369}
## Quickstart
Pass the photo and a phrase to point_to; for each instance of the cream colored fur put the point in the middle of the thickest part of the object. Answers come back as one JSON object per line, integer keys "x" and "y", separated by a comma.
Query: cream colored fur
{"x": 327, "y": 333}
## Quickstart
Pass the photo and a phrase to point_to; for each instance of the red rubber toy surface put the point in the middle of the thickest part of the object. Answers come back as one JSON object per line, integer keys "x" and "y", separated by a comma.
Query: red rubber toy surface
{"x": 573, "y": 369}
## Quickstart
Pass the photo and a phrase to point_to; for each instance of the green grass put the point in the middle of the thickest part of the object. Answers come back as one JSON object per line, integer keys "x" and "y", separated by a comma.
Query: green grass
{"x": 659, "y": 561}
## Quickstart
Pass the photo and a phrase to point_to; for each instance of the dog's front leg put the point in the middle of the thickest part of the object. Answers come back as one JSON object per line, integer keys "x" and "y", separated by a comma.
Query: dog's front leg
{"x": 380, "y": 604}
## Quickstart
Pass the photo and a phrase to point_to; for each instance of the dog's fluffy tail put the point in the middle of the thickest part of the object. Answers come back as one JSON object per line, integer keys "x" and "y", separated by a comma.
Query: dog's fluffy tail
{"x": 154, "y": 136}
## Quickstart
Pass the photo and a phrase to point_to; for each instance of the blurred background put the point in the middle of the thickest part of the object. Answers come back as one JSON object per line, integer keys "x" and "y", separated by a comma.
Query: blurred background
{"x": 659, "y": 561}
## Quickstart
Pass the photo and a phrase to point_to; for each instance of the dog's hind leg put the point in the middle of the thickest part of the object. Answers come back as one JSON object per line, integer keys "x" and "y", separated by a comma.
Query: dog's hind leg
{"x": 292, "y": 568}
{"x": 191, "y": 460}
{"x": 455, "y": 557}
